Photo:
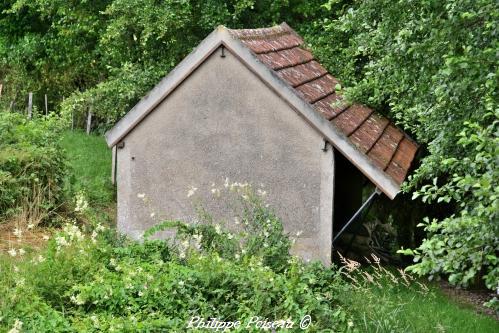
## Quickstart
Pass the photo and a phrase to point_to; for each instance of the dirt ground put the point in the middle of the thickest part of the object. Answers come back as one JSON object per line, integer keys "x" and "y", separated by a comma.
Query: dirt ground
{"x": 28, "y": 238}
{"x": 475, "y": 298}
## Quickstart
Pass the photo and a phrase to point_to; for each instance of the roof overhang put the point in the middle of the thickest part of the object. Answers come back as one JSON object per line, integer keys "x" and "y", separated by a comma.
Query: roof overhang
{"x": 221, "y": 36}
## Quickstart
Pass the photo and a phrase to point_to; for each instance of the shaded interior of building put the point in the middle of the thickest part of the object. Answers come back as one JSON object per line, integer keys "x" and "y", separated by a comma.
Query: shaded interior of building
{"x": 354, "y": 196}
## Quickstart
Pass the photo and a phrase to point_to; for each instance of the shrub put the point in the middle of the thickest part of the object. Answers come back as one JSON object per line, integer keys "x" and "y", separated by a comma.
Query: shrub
{"x": 433, "y": 66}
{"x": 31, "y": 164}
{"x": 464, "y": 246}
{"x": 97, "y": 281}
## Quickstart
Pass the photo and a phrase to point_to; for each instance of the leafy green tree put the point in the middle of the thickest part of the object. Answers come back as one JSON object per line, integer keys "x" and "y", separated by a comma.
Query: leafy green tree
{"x": 432, "y": 65}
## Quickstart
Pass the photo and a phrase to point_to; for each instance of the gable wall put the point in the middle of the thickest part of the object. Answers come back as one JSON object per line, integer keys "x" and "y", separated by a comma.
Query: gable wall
{"x": 222, "y": 121}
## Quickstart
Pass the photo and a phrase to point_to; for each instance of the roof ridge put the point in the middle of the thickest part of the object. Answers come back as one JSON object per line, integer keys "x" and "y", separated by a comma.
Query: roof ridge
{"x": 246, "y": 44}
{"x": 262, "y": 33}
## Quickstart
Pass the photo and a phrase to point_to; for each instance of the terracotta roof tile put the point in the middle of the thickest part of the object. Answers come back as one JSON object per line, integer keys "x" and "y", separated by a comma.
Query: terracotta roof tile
{"x": 331, "y": 105}
{"x": 350, "y": 120}
{"x": 282, "y": 50}
{"x": 300, "y": 74}
{"x": 384, "y": 149}
{"x": 285, "y": 58}
{"x": 318, "y": 89}
{"x": 369, "y": 132}
{"x": 273, "y": 43}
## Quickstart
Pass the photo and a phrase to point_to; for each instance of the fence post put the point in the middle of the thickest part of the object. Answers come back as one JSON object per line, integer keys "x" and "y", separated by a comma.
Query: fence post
{"x": 89, "y": 120}
{"x": 30, "y": 105}
{"x": 46, "y": 106}
{"x": 1, "y": 87}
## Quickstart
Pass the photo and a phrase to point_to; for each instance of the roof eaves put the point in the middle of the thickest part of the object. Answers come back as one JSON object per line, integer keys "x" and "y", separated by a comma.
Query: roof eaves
{"x": 302, "y": 107}
{"x": 164, "y": 87}
{"x": 222, "y": 36}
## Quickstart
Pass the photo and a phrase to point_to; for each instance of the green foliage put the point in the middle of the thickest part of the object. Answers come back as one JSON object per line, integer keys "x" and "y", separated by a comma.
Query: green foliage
{"x": 89, "y": 168}
{"x": 465, "y": 246}
{"x": 107, "y": 54}
{"x": 93, "y": 280}
{"x": 32, "y": 164}
{"x": 433, "y": 66}
{"x": 105, "y": 283}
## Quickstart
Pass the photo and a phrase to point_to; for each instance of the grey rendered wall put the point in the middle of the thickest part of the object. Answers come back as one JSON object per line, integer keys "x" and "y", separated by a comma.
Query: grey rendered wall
{"x": 222, "y": 121}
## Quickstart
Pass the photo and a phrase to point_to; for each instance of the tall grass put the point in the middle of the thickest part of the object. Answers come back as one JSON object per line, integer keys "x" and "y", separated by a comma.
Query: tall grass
{"x": 390, "y": 300}
{"x": 89, "y": 159}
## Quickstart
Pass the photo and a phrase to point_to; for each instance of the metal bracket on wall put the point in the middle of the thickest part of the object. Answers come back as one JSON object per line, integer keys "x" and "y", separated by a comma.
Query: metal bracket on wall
{"x": 324, "y": 149}
{"x": 223, "y": 51}
{"x": 121, "y": 145}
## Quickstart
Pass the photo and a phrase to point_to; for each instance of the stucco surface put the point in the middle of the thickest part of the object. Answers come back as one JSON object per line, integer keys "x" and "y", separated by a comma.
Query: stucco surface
{"x": 223, "y": 122}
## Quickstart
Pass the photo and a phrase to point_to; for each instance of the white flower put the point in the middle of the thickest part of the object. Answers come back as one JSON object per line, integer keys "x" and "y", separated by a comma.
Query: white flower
{"x": 45, "y": 237}
{"x": 218, "y": 229}
{"x": 141, "y": 195}
{"x": 94, "y": 236}
{"x": 40, "y": 258}
{"x": 299, "y": 233}
{"x": 230, "y": 236}
{"x": 197, "y": 241}
{"x": 181, "y": 283}
{"x": 17, "y": 327}
{"x": 140, "y": 294}
{"x": 191, "y": 192}
{"x": 21, "y": 252}
{"x": 261, "y": 193}
{"x": 215, "y": 192}
{"x": 226, "y": 184}
{"x": 237, "y": 256}
{"x": 12, "y": 252}
{"x": 236, "y": 220}
{"x": 95, "y": 320}
{"x": 31, "y": 226}
{"x": 81, "y": 202}
{"x": 17, "y": 232}
{"x": 77, "y": 300}
{"x": 153, "y": 214}
{"x": 61, "y": 241}
{"x": 350, "y": 323}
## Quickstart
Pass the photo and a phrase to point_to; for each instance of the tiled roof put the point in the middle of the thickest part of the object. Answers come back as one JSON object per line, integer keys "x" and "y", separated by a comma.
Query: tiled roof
{"x": 281, "y": 49}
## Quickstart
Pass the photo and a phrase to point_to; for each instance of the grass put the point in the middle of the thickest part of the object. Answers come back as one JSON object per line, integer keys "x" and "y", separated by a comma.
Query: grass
{"x": 90, "y": 162}
{"x": 410, "y": 310}
{"x": 385, "y": 309}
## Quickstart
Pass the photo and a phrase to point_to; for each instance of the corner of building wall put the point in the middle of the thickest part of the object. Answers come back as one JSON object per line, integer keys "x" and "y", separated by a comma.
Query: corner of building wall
{"x": 113, "y": 165}
{"x": 326, "y": 203}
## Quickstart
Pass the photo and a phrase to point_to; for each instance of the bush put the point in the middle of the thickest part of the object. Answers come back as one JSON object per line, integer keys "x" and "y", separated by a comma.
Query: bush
{"x": 432, "y": 65}
{"x": 32, "y": 166}
{"x": 101, "y": 282}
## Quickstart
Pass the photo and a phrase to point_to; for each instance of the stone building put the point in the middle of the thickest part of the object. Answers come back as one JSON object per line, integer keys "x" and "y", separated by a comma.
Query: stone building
{"x": 254, "y": 105}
